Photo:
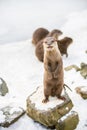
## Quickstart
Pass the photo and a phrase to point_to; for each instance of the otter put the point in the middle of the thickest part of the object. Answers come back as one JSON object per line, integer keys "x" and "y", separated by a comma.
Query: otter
{"x": 39, "y": 34}
{"x": 53, "y": 70}
{"x": 39, "y": 51}
{"x": 55, "y": 33}
{"x": 63, "y": 45}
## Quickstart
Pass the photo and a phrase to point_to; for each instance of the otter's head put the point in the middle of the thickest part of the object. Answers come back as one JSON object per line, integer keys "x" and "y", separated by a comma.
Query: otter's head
{"x": 68, "y": 40}
{"x": 55, "y": 33}
{"x": 50, "y": 44}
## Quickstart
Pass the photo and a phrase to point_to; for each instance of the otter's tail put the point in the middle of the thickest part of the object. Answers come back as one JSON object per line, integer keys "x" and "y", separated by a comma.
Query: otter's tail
{"x": 67, "y": 87}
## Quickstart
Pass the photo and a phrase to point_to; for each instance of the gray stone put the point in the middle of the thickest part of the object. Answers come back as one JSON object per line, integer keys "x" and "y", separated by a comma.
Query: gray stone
{"x": 10, "y": 114}
{"x": 68, "y": 122}
{"x": 47, "y": 113}
{"x": 3, "y": 87}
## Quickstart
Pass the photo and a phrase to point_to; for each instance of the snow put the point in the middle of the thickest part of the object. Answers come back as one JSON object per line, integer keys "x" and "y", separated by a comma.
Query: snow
{"x": 2, "y": 117}
{"x": 37, "y": 98}
{"x": 67, "y": 115}
{"x": 84, "y": 89}
{"x": 19, "y": 66}
{"x": 15, "y": 109}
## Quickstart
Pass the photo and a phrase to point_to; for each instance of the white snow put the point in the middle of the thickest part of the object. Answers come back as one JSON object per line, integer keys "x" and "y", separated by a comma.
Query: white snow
{"x": 15, "y": 109}
{"x": 68, "y": 114}
{"x": 84, "y": 89}
{"x": 2, "y": 117}
{"x": 37, "y": 98}
{"x": 67, "y": 108}
{"x": 19, "y": 66}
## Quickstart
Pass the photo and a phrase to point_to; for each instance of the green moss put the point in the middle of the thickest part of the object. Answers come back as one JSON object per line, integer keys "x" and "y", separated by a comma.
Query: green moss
{"x": 70, "y": 123}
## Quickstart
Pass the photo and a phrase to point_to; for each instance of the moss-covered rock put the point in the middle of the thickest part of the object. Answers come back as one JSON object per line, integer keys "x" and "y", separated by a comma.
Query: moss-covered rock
{"x": 83, "y": 70}
{"x": 68, "y": 122}
{"x": 82, "y": 90}
{"x": 72, "y": 67}
{"x": 47, "y": 113}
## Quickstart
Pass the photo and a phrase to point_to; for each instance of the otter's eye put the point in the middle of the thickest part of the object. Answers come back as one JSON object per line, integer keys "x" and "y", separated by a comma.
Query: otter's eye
{"x": 49, "y": 64}
{"x": 56, "y": 63}
{"x": 45, "y": 42}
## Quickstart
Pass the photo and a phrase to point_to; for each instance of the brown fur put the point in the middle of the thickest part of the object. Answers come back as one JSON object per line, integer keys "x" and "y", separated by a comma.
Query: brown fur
{"x": 39, "y": 51}
{"x": 39, "y": 34}
{"x": 64, "y": 44}
{"x": 53, "y": 69}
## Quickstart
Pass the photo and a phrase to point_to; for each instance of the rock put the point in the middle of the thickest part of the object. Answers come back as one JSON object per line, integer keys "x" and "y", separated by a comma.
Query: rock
{"x": 47, "y": 113}
{"x": 3, "y": 87}
{"x": 68, "y": 122}
{"x": 86, "y": 51}
{"x": 10, "y": 114}
{"x": 82, "y": 90}
{"x": 71, "y": 67}
{"x": 83, "y": 70}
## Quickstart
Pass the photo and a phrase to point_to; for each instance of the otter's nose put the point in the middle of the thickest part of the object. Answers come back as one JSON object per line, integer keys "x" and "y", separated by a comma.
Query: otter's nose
{"x": 49, "y": 43}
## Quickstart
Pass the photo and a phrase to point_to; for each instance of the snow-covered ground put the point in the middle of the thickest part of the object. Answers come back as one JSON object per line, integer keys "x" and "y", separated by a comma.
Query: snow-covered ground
{"x": 19, "y": 66}
{"x": 19, "y": 18}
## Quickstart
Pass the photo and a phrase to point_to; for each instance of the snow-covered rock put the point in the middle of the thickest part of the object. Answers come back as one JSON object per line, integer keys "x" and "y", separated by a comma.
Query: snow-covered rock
{"x": 10, "y": 114}
{"x": 68, "y": 122}
{"x": 3, "y": 87}
{"x": 82, "y": 90}
{"x": 47, "y": 113}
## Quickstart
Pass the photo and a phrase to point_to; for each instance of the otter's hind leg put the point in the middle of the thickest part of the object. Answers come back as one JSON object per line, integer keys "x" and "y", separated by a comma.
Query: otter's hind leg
{"x": 47, "y": 92}
{"x": 61, "y": 97}
{"x": 46, "y": 99}
{"x": 58, "y": 94}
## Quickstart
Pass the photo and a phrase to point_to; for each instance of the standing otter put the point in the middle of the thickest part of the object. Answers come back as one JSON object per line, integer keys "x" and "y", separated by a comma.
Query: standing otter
{"x": 39, "y": 34}
{"x": 63, "y": 45}
{"x": 53, "y": 70}
{"x": 39, "y": 51}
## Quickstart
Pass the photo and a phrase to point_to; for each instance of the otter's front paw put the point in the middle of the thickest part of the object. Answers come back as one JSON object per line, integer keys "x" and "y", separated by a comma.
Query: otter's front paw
{"x": 49, "y": 76}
